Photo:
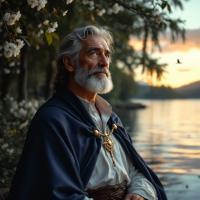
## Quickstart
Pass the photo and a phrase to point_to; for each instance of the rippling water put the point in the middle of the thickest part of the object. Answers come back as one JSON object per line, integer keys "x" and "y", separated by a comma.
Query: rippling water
{"x": 167, "y": 135}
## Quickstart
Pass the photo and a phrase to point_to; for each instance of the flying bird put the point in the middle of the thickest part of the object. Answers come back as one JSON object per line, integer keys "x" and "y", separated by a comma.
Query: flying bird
{"x": 178, "y": 61}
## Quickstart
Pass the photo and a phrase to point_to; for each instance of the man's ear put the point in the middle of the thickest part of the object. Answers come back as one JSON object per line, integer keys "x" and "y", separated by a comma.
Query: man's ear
{"x": 69, "y": 65}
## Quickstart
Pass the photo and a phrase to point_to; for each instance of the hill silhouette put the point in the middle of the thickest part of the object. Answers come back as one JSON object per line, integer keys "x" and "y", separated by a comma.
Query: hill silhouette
{"x": 191, "y": 90}
{"x": 150, "y": 92}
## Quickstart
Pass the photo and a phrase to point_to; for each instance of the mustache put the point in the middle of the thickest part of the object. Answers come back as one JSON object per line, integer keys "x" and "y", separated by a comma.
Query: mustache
{"x": 99, "y": 69}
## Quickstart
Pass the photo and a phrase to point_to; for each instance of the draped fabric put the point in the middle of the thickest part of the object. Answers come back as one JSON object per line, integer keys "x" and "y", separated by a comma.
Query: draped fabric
{"x": 60, "y": 152}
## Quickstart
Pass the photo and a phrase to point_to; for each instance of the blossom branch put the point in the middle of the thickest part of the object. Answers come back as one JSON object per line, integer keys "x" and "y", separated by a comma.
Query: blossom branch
{"x": 134, "y": 10}
{"x": 5, "y": 24}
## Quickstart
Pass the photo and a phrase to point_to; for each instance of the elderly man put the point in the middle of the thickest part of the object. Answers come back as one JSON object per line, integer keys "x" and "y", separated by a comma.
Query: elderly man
{"x": 76, "y": 147}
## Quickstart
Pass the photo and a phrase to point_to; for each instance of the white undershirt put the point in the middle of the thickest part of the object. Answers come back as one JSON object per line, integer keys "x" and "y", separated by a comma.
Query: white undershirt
{"x": 104, "y": 172}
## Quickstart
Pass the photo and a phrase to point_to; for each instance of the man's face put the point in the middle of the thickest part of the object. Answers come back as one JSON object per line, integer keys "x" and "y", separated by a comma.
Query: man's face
{"x": 93, "y": 64}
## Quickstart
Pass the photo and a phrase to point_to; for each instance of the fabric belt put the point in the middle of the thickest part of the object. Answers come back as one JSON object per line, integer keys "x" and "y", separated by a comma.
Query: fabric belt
{"x": 112, "y": 192}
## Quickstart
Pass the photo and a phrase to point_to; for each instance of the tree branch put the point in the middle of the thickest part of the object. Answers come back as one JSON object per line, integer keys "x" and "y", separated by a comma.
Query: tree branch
{"x": 133, "y": 9}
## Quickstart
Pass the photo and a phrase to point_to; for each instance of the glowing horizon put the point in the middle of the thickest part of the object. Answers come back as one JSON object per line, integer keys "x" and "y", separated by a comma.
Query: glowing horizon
{"x": 178, "y": 74}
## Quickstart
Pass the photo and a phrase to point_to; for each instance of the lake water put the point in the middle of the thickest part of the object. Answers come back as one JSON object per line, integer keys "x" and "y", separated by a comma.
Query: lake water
{"x": 167, "y": 135}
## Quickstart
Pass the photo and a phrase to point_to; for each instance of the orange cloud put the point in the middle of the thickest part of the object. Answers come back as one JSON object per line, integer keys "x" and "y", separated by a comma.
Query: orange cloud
{"x": 192, "y": 41}
{"x": 184, "y": 70}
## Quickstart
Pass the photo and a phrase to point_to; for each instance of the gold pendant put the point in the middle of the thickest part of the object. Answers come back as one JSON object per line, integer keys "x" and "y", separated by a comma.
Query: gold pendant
{"x": 108, "y": 144}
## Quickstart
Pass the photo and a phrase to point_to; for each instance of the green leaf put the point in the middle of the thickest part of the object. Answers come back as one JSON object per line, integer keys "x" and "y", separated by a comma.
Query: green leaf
{"x": 55, "y": 35}
{"x": 44, "y": 9}
{"x": 169, "y": 8}
{"x": 48, "y": 37}
{"x": 57, "y": 16}
{"x": 6, "y": 2}
{"x": 27, "y": 42}
{"x": 42, "y": 38}
{"x": 18, "y": 57}
{"x": 9, "y": 59}
{"x": 164, "y": 4}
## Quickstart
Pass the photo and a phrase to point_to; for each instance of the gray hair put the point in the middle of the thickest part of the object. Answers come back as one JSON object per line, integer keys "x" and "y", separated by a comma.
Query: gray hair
{"x": 71, "y": 46}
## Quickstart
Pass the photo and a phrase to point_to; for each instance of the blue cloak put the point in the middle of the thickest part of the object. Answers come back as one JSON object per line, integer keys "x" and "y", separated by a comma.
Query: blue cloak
{"x": 60, "y": 152}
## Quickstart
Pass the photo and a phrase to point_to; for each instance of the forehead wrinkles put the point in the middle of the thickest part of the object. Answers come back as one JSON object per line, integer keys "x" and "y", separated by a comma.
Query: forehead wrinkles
{"x": 95, "y": 41}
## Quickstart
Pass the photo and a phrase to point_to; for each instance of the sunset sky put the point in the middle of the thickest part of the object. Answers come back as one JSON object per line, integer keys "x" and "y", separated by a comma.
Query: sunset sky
{"x": 188, "y": 53}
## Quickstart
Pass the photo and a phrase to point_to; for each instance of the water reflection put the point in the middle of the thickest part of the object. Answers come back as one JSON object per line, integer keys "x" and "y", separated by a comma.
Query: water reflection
{"x": 167, "y": 136}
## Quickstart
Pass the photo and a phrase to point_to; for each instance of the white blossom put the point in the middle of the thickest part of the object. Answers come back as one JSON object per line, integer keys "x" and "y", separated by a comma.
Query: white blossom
{"x": 7, "y": 54}
{"x": 22, "y": 112}
{"x": 84, "y": 2}
{"x": 40, "y": 32}
{"x": 18, "y": 63}
{"x": 101, "y": 12}
{"x": 39, "y": 25}
{"x": 12, "y": 64}
{"x": 9, "y": 47}
{"x": 1, "y": 0}
{"x": 18, "y": 71}
{"x": 116, "y": 8}
{"x": 23, "y": 124}
{"x": 6, "y": 71}
{"x": 22, "y": 103}
{"x": 154, "y": 13}
{"x": 18, "y": 15}
{"x": 18, "y": 30}
{"x": 69, "y": 1}
{"x": 54, "y": 24}
{"x": 91, "y": 8}
{"x": 33, "y": 3}
{"x": 41, "y": 4}
{"x": 10, "y": 151}
{"x": 13, "y": 17}
{"x": 50, "y": 30}
{"x": 37, "y": 47}
{"x": 29, "y": 105}
{"x": 6, "y": 17}
{"x": 109, "y": 11}
{"x": 20, "y": 43}
{"x": 33, "y": 111}
{"x": 46, "y": 22}
{"x": 91, "y": 3}
{"x": 159, "y": 19}
{"x": 64, "y": 13}
{"x": 4, "y": 146}
{"x": 35, "y": 103}
{"x": 12, "y": 110}
{"x": 11, "y": 22}
{"x": 16, "y": 52}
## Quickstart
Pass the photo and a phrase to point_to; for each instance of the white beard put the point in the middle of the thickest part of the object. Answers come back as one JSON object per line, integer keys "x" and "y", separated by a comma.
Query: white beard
{"x": 100, "y": 84}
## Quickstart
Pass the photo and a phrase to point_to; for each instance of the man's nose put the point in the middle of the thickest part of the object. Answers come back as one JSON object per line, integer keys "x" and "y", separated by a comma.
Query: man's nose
{"x": 103, "y": 62}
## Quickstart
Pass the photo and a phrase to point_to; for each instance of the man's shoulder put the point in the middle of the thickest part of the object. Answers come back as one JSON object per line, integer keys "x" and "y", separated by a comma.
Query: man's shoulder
{"x": 116, "y": 119}
{"x": 120, "y": 126}
{"x": 53, "y": 108}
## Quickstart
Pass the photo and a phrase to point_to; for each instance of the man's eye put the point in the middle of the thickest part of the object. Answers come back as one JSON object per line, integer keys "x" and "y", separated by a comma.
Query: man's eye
{"x": 107, "y": 55}
{"x": 93, "y": 53}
